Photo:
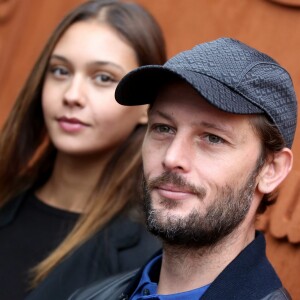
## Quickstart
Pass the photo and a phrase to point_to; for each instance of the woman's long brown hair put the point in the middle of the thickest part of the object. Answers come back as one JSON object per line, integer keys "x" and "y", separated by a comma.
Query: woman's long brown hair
{"x": 27, "y": 156}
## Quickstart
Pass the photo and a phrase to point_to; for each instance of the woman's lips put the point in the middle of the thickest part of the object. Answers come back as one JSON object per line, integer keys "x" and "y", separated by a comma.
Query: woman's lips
{"x": 71, "y": 125}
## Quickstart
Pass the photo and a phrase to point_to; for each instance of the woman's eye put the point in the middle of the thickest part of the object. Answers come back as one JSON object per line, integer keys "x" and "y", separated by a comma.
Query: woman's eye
{"x": 59, "y": 72}
{"x": 104, "y": 79}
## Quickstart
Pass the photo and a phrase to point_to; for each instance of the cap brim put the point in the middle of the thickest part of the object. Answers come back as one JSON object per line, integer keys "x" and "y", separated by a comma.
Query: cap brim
{"x": 142, "y": 85}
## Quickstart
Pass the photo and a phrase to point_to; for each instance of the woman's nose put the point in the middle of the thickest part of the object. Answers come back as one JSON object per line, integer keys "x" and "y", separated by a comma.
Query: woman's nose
{"x": 74, "y": 94}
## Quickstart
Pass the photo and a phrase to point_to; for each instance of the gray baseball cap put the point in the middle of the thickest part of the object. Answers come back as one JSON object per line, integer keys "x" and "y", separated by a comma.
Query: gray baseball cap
{"x": 229, "y": 74}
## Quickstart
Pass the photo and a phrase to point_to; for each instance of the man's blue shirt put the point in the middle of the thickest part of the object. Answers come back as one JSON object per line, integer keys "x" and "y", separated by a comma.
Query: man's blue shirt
{"x": 147, "y": 288}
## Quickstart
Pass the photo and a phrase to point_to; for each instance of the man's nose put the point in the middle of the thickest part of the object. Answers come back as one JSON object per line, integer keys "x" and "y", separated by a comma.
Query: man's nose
{"x": 178, "y": 155}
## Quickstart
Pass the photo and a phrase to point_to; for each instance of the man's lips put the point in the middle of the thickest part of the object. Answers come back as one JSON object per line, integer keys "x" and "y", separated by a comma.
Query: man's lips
{"x": 173, "y": 192}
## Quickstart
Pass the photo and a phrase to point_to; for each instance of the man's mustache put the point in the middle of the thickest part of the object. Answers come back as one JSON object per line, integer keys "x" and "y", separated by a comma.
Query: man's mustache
{"x": 176, "y": 180}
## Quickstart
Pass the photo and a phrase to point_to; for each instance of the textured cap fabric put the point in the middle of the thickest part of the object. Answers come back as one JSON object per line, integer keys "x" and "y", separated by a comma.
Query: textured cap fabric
{"x": 229, "y": 74}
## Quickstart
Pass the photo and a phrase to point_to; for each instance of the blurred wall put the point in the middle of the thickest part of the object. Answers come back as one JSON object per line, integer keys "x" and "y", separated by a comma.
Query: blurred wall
{"x": 264, "y": 24}
{"x": 25, "y": 26}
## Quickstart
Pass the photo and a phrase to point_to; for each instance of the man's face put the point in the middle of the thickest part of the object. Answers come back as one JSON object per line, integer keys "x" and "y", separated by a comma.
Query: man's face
{"x": 200, "y": 168}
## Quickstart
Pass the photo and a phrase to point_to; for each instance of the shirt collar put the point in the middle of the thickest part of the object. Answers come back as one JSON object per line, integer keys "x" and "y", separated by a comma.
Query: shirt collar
{"x": 147, "y": 287}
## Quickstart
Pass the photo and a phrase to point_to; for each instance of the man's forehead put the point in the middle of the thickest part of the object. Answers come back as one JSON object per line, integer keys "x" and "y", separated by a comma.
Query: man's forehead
{"x": 180, "y": 101}
{"x": 178, "y": 93}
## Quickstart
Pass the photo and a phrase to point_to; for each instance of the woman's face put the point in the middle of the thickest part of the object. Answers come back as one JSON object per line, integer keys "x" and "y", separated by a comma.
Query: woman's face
{"x": 79, "y": 107}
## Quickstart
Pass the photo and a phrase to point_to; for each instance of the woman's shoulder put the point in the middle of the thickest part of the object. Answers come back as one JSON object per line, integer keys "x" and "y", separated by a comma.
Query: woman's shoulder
{"x": 127, "y": 240}
{"x": 110, "y": 288}
{"x": 128, "y": 230}
{"x": 123, "y": 245}
{"x": 10, "y": 209}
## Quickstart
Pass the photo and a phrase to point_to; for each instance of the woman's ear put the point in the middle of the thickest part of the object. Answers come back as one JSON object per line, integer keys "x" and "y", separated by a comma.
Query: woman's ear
{"x": 275, "y": 170}
{"x": 144, "y": 116}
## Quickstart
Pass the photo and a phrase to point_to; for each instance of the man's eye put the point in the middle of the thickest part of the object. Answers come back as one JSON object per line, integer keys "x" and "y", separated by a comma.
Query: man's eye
{"x": 162, "y": 128}
{"x": 214, "y": 139}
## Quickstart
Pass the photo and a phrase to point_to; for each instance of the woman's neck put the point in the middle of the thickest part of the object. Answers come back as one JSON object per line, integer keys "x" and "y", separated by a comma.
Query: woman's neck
{"x": 72, "y": 181}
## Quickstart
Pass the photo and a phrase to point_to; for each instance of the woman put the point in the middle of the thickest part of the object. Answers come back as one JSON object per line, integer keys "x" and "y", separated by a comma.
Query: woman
{"x": 70, "y": 157}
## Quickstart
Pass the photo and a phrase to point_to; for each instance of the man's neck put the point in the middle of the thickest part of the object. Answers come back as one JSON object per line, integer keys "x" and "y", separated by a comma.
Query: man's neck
{"x": 184, "y": 269}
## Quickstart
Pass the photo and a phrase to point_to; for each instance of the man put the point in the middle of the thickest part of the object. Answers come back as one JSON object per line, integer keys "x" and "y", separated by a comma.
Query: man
{"x": 222, "y": 119}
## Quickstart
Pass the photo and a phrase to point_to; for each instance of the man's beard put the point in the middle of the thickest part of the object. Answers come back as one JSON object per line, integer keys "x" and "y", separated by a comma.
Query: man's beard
{"x": 223, "y": 215}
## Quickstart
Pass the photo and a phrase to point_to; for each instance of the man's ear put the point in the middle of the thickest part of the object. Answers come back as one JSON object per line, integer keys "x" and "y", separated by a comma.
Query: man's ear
{"x": 275, "y": 170}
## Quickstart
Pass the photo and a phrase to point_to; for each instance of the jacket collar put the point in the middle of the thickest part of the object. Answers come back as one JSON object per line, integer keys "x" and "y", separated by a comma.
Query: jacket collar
{"x": 249, "y": 276}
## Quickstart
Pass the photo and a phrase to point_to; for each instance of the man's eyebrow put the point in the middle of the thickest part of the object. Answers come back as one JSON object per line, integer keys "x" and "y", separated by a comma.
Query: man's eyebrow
{"x": 160, "y": 113}
{"x": 220, "y": 127}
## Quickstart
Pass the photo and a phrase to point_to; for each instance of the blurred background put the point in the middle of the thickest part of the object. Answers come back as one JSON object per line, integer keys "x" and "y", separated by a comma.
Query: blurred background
{"x": 271, "y": 26}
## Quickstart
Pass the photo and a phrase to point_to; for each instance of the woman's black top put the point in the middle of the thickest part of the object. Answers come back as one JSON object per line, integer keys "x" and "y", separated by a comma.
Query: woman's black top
{"x": 30, "y": 230}
{"x": 37, "y": 230}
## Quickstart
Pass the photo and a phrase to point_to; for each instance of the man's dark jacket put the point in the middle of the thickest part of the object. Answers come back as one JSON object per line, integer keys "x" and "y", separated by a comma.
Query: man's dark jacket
{"x": 249, "y": 276}
{"x": 122, "y": 245}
